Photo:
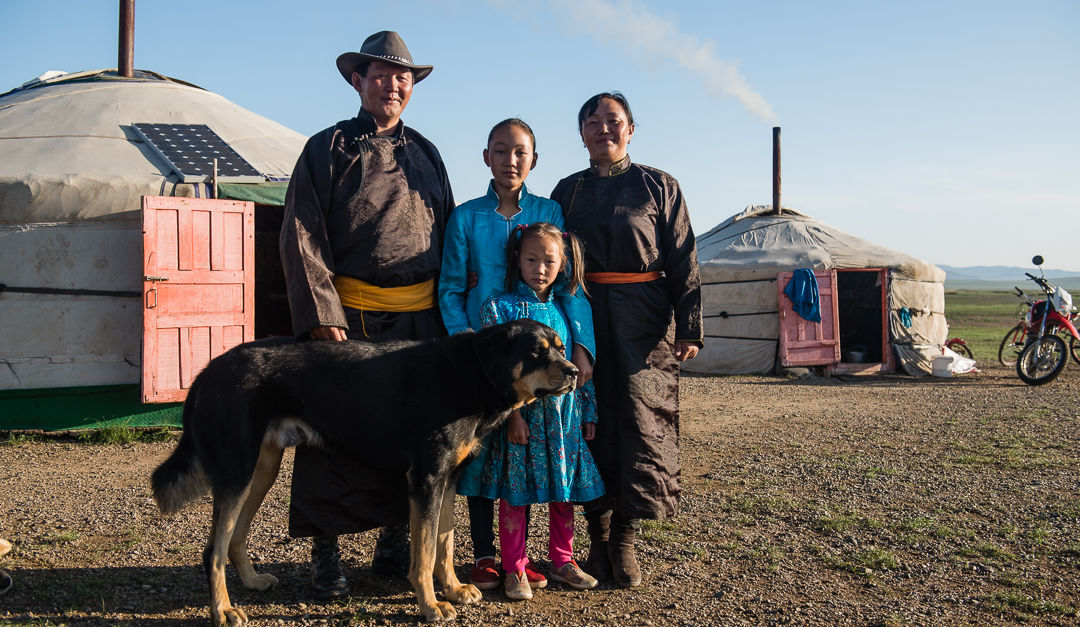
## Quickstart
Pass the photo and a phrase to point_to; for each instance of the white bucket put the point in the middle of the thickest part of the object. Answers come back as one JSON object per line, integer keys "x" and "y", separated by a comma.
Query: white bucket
{"x": 942, "y": 366}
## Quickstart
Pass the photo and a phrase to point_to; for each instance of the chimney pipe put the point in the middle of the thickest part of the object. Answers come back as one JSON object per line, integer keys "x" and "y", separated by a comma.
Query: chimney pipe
{"x": 125, "y": 62}
{"x": 776, "y": 170}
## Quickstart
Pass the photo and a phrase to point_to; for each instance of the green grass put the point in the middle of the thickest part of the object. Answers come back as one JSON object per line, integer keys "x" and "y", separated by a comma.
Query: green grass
{"x": 124, "y": 435}
{"x": 981, "y": 319}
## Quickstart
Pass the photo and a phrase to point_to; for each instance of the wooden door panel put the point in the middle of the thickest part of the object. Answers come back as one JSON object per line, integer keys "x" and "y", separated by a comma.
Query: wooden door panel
{"x": 198, "y": 266}
{"x": 805, "y": 343}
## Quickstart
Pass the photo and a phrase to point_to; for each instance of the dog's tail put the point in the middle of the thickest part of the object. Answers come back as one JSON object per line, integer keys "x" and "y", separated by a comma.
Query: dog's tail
{"x": 179, "y": 480}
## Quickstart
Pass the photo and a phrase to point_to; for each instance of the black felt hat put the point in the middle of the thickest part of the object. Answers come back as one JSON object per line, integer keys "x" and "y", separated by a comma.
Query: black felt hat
{"x": 385, "y": 46}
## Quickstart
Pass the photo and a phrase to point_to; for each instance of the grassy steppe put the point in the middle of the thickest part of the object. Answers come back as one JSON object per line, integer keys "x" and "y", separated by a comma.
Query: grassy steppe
{"x": 981, "y": 318}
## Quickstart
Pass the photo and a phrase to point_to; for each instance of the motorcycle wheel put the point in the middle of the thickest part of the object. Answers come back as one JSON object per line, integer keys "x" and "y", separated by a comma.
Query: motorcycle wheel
{"x": 1074, "y": 349}
{"x": 958, "y": 347}
{"x": 1042, "y": 360}
{"x": 1011, "y": 345}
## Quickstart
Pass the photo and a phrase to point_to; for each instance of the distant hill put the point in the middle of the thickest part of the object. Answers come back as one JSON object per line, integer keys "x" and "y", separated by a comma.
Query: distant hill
{"x": 1005, "y": 277}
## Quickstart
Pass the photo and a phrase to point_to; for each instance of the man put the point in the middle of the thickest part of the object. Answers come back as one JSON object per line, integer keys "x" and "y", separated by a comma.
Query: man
{"x": 361, "y": 245}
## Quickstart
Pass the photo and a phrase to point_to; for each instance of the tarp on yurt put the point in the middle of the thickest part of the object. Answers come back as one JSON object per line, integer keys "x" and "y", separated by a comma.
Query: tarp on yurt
{"x": 73, "y": 172}
{"x": 742, "y": 257}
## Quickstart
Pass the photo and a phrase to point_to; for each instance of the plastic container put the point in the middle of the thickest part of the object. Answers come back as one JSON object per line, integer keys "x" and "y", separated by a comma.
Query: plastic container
{"x": 942, "y": 366}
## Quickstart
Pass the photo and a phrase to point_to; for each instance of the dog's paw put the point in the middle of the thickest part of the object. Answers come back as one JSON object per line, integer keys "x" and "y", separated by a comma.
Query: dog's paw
{"x": 231, "y": 615}
{"x": 260, "y": 582}
{"x": 465, "y": 593}
{"x": 438, "y": 612}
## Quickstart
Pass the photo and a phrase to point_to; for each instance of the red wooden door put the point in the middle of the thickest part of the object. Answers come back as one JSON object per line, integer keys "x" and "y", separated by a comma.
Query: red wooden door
{"x": 198, "y": 288}
{"x": 805, "y": 343}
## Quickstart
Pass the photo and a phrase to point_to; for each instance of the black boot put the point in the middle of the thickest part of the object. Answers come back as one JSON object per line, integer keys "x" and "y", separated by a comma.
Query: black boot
{"x": 598, "y": 564}
{"x": 624, "y": 566}
{"x": 327, "y": 576}
{"x": 392, "y": 552}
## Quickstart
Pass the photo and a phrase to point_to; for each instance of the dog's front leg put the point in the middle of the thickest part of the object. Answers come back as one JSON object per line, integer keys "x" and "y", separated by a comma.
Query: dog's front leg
{"x": 453, "y": 589}
{"x": 424, "y": 516}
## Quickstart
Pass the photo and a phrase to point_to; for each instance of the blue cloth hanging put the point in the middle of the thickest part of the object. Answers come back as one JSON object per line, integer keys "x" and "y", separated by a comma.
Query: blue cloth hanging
{"x": 803, "y": 292}
{"x": 905, "y": 317}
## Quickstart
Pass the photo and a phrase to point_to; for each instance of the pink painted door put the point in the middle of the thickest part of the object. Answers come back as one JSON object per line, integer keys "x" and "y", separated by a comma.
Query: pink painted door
{"x": 805, "y": 343}
{"x": 198, "y": 288}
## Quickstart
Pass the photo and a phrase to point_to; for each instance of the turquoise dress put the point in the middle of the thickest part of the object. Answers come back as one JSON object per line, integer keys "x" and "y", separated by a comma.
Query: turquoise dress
{"x": 555, "y": 465}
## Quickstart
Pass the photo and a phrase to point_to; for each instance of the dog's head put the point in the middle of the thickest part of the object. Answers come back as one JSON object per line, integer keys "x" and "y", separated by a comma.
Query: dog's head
{"x": 525, "y": 360}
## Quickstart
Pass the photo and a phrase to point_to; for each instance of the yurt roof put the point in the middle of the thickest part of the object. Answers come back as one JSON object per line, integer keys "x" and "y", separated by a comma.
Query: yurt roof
{"x": 757, "y": 243}
{"x": 68, "y": 151}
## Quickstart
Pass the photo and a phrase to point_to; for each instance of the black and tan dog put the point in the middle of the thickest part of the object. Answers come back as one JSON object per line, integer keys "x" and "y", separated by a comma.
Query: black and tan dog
{"x": 416, "y": 406}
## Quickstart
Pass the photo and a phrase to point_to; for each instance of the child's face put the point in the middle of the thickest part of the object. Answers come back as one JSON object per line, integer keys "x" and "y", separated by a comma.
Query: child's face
{"x": 510, "y": 156}
{"x": 540, "y": 262}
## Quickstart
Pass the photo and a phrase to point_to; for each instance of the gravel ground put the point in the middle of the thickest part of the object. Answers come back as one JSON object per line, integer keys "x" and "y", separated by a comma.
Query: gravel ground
{"x": 880, "y": 500}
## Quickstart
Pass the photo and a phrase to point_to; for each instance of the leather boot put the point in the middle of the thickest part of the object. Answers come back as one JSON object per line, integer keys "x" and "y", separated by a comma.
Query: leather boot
{"x": 327, "y": 576}
{"x": 598, "y": 564}
{"x": 624, "y": 566}
{"x": 392, "y": 556}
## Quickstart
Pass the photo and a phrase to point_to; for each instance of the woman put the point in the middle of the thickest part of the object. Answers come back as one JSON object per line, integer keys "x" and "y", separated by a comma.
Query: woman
{"x": 642, "y": 273}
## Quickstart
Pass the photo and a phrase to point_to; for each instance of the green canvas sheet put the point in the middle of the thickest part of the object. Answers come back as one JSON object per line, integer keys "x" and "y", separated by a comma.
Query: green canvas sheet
{"x": 91, "y": 407}
{"x": 269, "y": 193}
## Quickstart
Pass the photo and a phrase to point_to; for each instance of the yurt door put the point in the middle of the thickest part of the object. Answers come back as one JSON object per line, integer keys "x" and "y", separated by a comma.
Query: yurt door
{"x": 806, "y": 343}
{"x": 198, "y": 288}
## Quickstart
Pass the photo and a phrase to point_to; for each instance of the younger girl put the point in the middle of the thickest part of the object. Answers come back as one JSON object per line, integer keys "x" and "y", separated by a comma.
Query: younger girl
{"x": 539, "y": 455}
{"x": 474, "y": 269}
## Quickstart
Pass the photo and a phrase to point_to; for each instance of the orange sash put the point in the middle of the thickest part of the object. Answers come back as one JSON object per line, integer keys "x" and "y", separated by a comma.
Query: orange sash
{"x": 618, "y": 278}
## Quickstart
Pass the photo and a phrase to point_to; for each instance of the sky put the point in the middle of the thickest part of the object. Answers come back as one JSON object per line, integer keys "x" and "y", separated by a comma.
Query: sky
{"x": 946, "y": 130}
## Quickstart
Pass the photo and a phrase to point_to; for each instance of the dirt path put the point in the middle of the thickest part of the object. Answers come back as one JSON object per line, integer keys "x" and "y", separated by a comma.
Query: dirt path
{"x": 877, "y": 501}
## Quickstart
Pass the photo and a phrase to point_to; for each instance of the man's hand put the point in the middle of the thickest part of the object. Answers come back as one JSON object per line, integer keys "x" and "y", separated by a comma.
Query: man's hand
{"x": 471, "y": 279}
{"x": 336, "y": 334}
{"x": 580, "y": 357}
{"x": 517, "y": 430}
{"x": 685, "y": 350}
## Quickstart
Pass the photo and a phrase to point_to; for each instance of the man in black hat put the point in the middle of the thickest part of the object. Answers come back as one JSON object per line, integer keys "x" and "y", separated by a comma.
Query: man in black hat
{"x": 361, "y": 245}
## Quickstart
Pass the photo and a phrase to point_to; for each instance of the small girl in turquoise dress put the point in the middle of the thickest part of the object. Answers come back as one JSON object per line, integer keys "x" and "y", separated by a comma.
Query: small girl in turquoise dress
{"x": 539, "y": 455}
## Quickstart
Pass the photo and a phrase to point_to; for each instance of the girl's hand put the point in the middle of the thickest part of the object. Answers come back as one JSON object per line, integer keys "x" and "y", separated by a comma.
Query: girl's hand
{"x": 588, "y": 430}
{"x": 685, "y": 350}
{"x": 517, "y": 431}
{"x": 580, "y": 357}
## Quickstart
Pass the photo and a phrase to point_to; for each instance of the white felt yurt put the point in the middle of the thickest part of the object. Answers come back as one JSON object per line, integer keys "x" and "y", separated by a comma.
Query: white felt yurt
{"x": 72, "y": 175}
{"x": 890, "y": 306}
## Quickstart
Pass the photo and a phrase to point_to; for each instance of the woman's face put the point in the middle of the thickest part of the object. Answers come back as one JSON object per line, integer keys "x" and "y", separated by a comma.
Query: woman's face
{"x": 607, "y": 132}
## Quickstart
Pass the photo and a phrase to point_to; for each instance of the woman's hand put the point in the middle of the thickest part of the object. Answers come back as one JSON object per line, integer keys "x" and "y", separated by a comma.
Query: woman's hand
{"x": 580, "y": 357}
{"x": 588, "y": 430}
{"x": 685, "y": 350}
{"x": 517, "y": 430}
{"x": 327, "y": 333}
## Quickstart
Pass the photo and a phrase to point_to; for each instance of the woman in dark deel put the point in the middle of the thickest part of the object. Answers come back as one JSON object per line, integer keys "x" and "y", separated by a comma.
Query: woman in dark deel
{"x": 642, "y": 272}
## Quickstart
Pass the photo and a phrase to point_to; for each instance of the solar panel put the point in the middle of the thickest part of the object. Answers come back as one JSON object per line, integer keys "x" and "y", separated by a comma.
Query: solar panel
{"x": 190, "y": 150}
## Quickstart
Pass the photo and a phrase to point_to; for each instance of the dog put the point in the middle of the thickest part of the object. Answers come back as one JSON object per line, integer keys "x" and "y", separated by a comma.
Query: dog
{"x": 419, "y": 406}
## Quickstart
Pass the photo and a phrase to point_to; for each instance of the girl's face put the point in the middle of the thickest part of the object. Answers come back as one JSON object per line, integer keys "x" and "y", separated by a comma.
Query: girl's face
{"x": 540, "y": 262}
{"x": 510, "y": 155}
{"x": 607, "y": 132}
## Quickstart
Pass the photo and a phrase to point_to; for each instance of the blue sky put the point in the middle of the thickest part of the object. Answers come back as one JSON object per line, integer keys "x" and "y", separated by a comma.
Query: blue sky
{"x": 947, "y": 130}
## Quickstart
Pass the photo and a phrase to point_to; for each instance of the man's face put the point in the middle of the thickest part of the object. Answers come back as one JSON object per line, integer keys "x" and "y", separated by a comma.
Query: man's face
{"x": 384, "y": 91}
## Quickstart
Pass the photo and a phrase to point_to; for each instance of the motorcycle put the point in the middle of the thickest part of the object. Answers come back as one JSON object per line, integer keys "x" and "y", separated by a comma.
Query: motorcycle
{"x": 1045, "y": 353}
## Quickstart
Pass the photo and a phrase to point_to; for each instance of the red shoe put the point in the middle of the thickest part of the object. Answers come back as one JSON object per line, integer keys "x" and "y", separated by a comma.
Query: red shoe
{"x": 536, "y": 578}
{"x": 485, "y": 575}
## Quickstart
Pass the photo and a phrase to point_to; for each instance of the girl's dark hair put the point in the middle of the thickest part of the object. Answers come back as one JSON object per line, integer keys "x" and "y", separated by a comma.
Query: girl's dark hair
{"x": 573, "y": 254}
{"x": 518, "y": 122}
{"x": 593, "y": 103}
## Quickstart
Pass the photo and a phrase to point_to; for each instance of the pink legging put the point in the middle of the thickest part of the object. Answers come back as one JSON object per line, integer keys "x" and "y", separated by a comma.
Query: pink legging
{"x": 513, "y": 535}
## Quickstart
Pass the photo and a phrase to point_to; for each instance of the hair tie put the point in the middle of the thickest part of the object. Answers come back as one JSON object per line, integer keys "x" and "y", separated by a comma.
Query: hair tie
{"x": 521, "y": 227}
{"x": 565, "y": 235}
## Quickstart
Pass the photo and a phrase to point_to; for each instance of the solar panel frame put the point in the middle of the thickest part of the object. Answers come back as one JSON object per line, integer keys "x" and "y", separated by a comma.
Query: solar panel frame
{"x": 190, "y": 149}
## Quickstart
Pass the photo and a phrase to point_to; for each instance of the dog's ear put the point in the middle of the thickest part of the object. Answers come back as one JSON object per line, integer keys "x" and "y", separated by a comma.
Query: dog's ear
{"x": 494, "y": 350}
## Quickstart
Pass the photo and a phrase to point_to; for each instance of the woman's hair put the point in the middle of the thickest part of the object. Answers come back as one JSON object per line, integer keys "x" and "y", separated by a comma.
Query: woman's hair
{"x": 518, "y": 122}
{"x": 573, "y": 254}
{"x": 593, "y": 103}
